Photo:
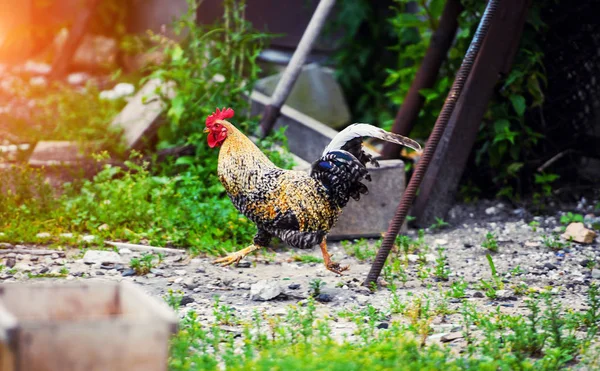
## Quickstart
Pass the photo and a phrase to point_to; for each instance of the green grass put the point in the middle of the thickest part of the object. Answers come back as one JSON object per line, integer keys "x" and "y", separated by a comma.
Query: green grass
{"x": 307, "y": 259}
{"x": 176, "y": 203}
{"x": 546, "y": 337}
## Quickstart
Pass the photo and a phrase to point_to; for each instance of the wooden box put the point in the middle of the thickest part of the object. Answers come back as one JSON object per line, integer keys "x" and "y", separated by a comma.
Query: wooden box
{"x": 87, "y": 325}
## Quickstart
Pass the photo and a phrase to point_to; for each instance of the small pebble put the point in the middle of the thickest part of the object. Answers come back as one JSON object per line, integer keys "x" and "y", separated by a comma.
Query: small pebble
{"x": 128, "y": 272}
{"x": 244, "y": 264}
{"x": 383, "y": 325}
{"x": 324, "y": 298}
{"x": 186, "y": 300}
{"x": 294, "y": 286}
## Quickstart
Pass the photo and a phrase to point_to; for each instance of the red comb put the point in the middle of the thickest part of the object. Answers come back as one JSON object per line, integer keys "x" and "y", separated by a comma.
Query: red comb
{"x": 225, "y": 113}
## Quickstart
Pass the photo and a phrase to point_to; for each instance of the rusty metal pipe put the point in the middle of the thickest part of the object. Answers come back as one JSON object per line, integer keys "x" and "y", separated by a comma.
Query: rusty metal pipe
{"x": 426, "y": 76}
{"x": 434, "y": 138}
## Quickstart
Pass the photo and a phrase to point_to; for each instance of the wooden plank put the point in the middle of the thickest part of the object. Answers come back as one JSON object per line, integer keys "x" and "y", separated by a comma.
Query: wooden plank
{"x": 439, "y": 186}
{"x": 63, "y": 58}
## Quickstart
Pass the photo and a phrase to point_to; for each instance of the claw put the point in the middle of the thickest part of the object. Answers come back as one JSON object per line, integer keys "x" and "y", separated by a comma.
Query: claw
{"x": 233, "y": 258}
{"x": 337, "y": 268}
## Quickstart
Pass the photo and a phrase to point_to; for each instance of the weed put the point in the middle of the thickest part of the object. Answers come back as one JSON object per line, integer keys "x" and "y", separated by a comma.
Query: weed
{"x": 534, "y": 225}
{"x": 491, "y": 286}
{"x": 360, "y": 249}
{"x": 490, "y": 243}
{"x": 173, "y": 298}
{"x": 315, "y": 286}
{"x": 569, "y": 218}
{"x": 517, "y": 271}
{"x": 145, "y": 263}
{"x": 442, "y": 270}
{"x": 553, "y": 242}
{"x": 307, "y": 258}
{"x": 458, "y": 289}
{"x": 439, "y": 224}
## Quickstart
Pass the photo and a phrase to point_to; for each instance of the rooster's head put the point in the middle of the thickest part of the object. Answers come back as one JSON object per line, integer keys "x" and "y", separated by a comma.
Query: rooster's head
{"x": 217, "y": 132}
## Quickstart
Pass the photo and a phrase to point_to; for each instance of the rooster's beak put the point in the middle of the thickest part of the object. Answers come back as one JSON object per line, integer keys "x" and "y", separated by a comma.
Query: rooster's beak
{"x": 206, "y": 130}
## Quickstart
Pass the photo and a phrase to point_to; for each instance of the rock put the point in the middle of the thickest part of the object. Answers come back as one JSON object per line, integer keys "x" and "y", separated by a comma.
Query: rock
{"x": 66, "y": 235}
{"x": 158, "y": 272}
{"x": 316, "y": 93}
{"x": 294, "y": 286}
{"x": 362, "y": 300}
{"x": 190, "y": 283}
{"x": 125, "y": 251}
{"x": 143, "y": 113}
{"x": 265, "y": 290}
{"x": 10, "y": 262}
{"x": 37, "y": 68}
{"x": 383, "y": 325}
{"x": 532, "y": 244}
{"x": 186, "y": 300}
{"x": 324, "y": 298}
{"x": 550, "y": 266}
{"x": 451, "y": 337}
{"x": 440, "y": 242}
{"x": 43, "y": 235}
{"x": 99, "y": 257}
{"x": 244, "y": 286}
{"x": 94, "y": 52}
{"x": 88, "y": 238}
{"x": 595, "y": 273}
{"x": 104, "y": 227}
{"x": 77, "y": 78}
{"x": 119, "y": 91}
{"x": 180, "y": 272}
{"x": 24, "y": 267}
{"x": 579, "y": 233}
{"x": 491, "y": 211}
{"x": 478, "y": 294}
{"x": 244, "y": 264}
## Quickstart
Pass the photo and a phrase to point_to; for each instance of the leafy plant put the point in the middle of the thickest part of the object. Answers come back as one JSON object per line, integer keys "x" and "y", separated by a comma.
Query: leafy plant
{"x": 458, "y": 288}
{"x": 442, "y": 271}
{"x": 490, "y": 243}
{"x": 145, "y": 263}
{"x": 307, "y": 258}
{"x": 553, "y": 242}
{"x": 439, "y": 224}
{"x": 315, "y": 286}
{"x": 569, "y": 218}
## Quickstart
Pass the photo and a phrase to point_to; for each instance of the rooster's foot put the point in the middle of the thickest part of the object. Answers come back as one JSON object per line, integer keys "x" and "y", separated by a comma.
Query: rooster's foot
{"x": 336, "y": 267}
{"x": 329, "y": 264}
{"x": 234, "y": 258}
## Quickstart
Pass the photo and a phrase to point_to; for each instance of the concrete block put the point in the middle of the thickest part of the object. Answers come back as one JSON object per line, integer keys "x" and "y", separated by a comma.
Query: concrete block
{"x": 51, "y": 152}
{"x": 369, "y": 217}
{"x": 315, "y": 93}
{"x": 142, "y": 116}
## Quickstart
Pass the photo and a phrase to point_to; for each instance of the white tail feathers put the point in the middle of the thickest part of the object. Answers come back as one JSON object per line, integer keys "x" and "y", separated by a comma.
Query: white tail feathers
{"x": 366, "y": 130}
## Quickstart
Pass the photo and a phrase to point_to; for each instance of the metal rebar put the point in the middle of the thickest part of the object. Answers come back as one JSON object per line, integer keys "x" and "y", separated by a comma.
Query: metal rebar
{"x": 292, "y": 71}
{"x": 434, "y": 138}
{"x": 441, "y": 41}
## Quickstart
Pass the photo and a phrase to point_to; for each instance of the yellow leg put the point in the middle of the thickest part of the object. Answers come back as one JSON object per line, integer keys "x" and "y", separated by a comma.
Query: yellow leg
{"x": 332, "y": 266}
{"x": 237, "y": 256}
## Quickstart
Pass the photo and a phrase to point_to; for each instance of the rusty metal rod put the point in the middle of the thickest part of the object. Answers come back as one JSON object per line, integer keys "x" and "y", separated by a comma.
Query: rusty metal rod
{"x": 441, "y": 40}
{"x": 293, "y": 69}
{"x": 434, "y": 138}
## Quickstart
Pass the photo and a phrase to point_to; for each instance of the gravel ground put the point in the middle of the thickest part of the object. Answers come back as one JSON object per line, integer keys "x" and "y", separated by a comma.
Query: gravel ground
{"x": 567, "y": 271}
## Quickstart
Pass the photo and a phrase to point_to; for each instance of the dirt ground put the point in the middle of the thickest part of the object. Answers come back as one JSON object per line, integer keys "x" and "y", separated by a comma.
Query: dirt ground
{"x": 567, "y": 271}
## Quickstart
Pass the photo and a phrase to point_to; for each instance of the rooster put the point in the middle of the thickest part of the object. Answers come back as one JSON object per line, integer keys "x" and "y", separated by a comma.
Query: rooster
{"x": 297, "y": 207}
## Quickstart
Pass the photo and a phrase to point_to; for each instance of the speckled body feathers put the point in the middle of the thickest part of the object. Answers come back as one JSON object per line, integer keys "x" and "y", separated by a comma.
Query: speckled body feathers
{"x": 297, "y": 207}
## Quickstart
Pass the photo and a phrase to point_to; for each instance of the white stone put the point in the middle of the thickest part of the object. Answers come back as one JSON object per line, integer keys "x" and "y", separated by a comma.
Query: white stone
{"x": 265, "y": 290}
{"x": 99, "y": 257}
